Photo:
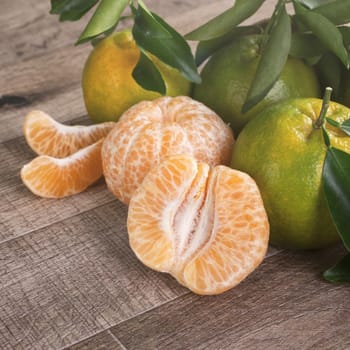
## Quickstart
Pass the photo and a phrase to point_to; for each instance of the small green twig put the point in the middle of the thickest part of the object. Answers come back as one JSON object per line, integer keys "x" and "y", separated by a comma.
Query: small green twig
{"x": 325, "y": 104}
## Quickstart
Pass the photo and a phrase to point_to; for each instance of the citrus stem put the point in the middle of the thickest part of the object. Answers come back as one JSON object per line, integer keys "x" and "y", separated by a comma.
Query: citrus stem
{"x": 325, "y": 104}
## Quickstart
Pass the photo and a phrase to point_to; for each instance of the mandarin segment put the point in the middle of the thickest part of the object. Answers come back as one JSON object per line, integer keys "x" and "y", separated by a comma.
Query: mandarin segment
{"x": 155, "y": 207}
{"x": 46, "y": 136}
{"x": 240, "y": 235}
{"x": 205, "y": 226}
{"x": 52, "y": 177}
{"x": 118, "y": 144}
{"x": 151, "y": 131}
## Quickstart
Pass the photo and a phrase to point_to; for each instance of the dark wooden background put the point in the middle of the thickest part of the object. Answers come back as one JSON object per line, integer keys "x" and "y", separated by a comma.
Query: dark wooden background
{"x": 68, "y": 279}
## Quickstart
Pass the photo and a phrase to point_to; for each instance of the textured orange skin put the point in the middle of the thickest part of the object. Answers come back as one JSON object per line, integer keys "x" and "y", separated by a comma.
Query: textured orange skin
{"x": 108, "y": 86}
{"x": 283, "y": 151}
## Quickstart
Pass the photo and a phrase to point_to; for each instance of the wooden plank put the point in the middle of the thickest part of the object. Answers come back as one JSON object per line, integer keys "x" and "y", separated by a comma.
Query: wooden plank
{"x": 12, "y": 13}
{"x": 38, "y": 32}
{"x": 66, "y": 282}
{"x": 21, "y": 211}
{"x": 101, "y": 341}
{"x": 285, "y": 304}
{"x": 44, "y": 75}
{"x": 65, "y": 106}
{"x": 34, "y": 34}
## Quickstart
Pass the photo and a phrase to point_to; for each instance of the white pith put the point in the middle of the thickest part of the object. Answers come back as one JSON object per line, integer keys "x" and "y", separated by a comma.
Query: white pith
{"x": 192, "y": 225}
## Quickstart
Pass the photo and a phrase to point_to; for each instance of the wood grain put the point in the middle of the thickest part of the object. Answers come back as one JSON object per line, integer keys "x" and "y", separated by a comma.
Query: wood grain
{"x": 63, "y": 106}
{"x": 284, "y": 304}
{"x": 21, "y": 211}
{"x": 62, "y": 283}
{"x": 101, "y": 341}
{"x": 38, "y": 32}
{"x": 34, "y": 34}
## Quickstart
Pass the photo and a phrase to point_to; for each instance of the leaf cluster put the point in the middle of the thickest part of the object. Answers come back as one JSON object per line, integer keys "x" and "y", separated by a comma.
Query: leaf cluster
{"x": 152, "y": 34}
{"x": 313, "y": 30}
{"x": 336, "y": 187}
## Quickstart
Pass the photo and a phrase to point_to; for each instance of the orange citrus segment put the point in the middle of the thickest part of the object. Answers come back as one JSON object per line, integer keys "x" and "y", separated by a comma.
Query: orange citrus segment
{"x": 45, "y": 136}
{"x": 151, "y": 131}
{"x": 239, "y": 239}
{"x": 154, "y": 209}
{"x": 206, "y": 227}
{"x": 52, "y": 177}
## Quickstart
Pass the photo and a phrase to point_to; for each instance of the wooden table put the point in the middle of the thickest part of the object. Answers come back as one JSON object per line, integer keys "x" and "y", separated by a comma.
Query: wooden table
{"x": 68, "y": 279}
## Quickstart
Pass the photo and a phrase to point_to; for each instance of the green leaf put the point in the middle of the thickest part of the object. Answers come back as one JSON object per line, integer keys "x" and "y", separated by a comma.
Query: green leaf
{"x": 338, "y": 12}
{"x": 340, "y": 272}
{"x": 154, "y": 35}
{"x": 345, "y": 126}
{"x": 325, "y": 136}
{"x": 105, "y": 17}
{"x": 329, "y": 69}
{"x": 345, "y": 32}
{"x": 314, "y": 3}
{"x": 306, "y": 45}
{"x": 336, "y": 187}
{"x": 324, "y": 30}
{"x": 333, "y": 122}
{"x": 273, "y": 58}
{"x": 147, "y": 75}
{"x": 220, "y": 25}
{"x": 71, "y": 10}
{"x": 207, "y": 47}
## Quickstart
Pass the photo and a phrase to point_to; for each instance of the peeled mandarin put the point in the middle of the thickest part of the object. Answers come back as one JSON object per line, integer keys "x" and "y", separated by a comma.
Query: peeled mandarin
{"x": 151, "y": 131}
{"x": 206, "y": 226}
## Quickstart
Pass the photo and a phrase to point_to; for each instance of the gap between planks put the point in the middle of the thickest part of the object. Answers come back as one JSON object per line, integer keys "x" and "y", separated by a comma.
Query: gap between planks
{"x": 116, "y": 339}
{"x": 5, "y": 241}
{"x": 272, "y": 252}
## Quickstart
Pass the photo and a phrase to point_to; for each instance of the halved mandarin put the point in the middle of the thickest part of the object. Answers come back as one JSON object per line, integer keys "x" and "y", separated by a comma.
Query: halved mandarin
{"x": 206, "y": 226}
{"x": 46, "y": 136}
{"x": 150, "y": 131}
{"x": 52, "y": 177}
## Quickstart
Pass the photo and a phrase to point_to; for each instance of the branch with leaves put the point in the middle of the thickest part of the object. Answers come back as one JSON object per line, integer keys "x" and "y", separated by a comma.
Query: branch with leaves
{"x": 315, "y": 32}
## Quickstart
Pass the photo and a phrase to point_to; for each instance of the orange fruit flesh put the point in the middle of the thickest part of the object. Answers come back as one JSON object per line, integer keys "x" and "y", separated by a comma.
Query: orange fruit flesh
{"x": 52, "y": 177}
{"x": 205, "y": 226}
{"x": 152, "y": 130}
{"x": 45, "y": 136}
